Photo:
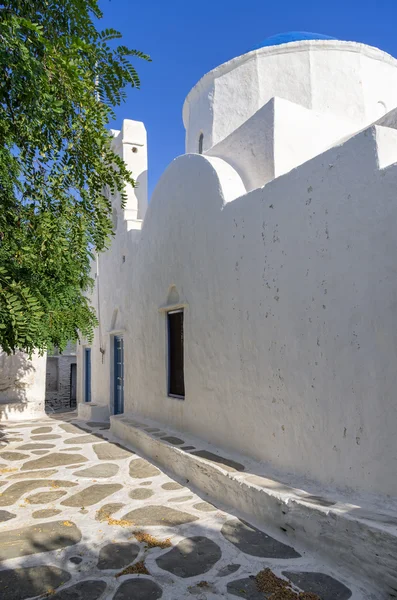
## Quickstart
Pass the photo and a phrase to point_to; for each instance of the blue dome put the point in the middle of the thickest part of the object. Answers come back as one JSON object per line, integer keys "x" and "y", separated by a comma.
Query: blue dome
{"x": 290, "y": 36}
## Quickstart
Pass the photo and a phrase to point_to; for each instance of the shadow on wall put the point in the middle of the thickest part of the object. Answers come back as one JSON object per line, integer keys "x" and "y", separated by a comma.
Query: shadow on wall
{"x": 141, "y": 192}
{"x": 20, "y": 384}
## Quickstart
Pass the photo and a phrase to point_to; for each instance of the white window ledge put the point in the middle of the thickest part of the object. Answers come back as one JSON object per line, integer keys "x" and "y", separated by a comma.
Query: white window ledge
{"x": 171, "y": 307}
{"x": 116, "y": 332}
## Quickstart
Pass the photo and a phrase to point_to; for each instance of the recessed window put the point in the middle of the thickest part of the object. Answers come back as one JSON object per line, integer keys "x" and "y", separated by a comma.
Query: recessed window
{"x": 176, "y": 378}
{"x": 201, "y": 142}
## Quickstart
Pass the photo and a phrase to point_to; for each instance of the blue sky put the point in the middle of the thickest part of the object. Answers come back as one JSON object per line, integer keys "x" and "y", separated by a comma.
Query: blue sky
{"x": 186, "y": 38}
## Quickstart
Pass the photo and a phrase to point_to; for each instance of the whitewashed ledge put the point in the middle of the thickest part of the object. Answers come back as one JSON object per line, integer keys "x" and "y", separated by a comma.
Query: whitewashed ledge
{"x": 22, "y": 411}
{"x": 357, "y": 539}
{"x": 90, "y": 411}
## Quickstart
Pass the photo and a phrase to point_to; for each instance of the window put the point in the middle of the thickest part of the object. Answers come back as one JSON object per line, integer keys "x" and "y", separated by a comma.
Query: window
{"x": 176, "y": 380}
{"x": 201, "y": 142}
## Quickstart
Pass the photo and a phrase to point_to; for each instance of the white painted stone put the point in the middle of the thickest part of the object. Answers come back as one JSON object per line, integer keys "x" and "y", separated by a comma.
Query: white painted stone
{"x": 111, "y": 272}
{"x": 279, "y": 137}
{"x": 344, "y": 79}
{"x": 89, "y": 411}
{"x": 131, "y": 144}
{"x": 279, "y": 243}
{"x": 289, "y": 291}
{"x": 22, "y": 386}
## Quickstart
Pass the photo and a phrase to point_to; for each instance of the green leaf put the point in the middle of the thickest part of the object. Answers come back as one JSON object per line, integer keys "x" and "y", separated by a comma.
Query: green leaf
{"x": 55, "y": 156}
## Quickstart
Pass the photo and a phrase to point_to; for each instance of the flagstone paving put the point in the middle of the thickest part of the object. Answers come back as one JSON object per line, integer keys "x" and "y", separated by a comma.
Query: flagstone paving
{"x": 99, "y": 522}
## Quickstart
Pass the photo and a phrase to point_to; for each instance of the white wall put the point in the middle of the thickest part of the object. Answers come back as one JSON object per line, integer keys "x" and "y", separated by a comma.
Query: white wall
{"x": 280, "y": 136}
{"x": 355, "y": 82}
{"x": 112, "y": 270}
{"x": 290, "y": 325}
{"x": 22, "y": 386}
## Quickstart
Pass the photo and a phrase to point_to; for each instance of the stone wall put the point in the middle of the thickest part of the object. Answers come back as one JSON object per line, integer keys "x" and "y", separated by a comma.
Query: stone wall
{"x": 59, "y": 379}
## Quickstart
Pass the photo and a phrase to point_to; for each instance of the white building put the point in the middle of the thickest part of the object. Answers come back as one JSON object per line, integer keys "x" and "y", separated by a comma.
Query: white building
{"x": 253, "y": 305}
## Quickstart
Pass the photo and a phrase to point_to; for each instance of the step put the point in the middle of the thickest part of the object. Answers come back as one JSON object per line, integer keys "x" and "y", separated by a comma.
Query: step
{"x": 90, "y": 411}
{"x": 356, "y": 539}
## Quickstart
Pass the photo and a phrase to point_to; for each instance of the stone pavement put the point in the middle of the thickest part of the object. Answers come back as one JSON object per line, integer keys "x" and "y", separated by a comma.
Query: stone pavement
{"x": 84, "y": 518}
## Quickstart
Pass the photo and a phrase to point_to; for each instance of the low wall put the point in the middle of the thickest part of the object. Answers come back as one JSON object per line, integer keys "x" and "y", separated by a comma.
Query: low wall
{"x": 22, "y": 386}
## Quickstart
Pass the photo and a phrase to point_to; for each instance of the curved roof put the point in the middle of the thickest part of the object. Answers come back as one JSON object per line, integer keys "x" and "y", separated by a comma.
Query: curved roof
{"x": 290, "y": 36}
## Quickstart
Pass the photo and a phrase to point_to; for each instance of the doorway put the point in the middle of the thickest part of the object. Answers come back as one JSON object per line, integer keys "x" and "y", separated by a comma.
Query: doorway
{"x": 87, "y": 374}
{"x": 73, "y": 385}
{"x": 118, "y": 375}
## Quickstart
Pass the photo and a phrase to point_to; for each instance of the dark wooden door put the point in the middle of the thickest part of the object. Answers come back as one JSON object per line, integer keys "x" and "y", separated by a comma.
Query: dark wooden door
{"x": 73, "y": 384}
{"x": 118, "y": 375}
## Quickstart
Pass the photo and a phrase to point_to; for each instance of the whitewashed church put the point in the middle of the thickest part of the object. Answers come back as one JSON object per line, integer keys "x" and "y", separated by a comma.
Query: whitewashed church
{"x": 253, "y": 302}
{"x": 248, "y": 313}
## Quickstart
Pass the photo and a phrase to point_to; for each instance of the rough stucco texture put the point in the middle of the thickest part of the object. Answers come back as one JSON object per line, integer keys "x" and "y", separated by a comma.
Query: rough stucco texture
{"x": 22, "y": 386}
{"x": 290, "y": 343}
{"x": 352, "y": 81}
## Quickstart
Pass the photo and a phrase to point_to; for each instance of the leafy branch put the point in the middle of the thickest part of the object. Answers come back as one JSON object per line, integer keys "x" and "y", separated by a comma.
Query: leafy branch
{"x": 60, "y": 81}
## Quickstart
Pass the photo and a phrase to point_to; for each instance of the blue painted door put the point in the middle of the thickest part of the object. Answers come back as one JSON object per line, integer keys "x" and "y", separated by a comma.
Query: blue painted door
{"x": 87, "y": 371}
{"x": 118, "y": 375}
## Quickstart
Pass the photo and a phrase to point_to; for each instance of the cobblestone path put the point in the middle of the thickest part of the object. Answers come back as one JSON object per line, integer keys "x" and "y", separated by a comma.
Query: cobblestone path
{"x": 84, "y": 518}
